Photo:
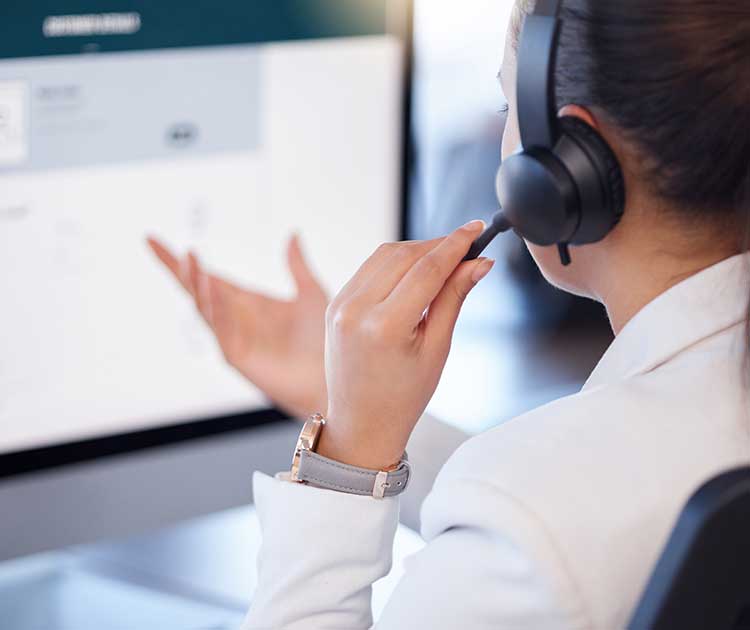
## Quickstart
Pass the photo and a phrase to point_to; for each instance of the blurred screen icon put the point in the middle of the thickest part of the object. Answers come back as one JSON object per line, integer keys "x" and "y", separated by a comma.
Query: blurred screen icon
{"x": 182, "y": 134}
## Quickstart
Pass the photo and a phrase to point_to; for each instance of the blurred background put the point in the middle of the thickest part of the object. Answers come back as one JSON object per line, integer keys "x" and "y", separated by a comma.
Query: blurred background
{"x": 520, "y": 342}
{"x": 156, "y": 529}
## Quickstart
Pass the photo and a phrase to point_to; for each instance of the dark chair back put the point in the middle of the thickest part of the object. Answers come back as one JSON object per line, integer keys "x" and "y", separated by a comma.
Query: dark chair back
{"x": 702, "y": 579}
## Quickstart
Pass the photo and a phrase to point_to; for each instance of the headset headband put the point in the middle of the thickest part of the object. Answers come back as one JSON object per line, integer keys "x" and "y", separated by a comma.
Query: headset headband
{"x": 537, "y": 53}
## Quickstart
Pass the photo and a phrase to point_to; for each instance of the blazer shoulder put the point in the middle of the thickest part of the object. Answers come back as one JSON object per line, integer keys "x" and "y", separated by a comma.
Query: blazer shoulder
{"x": 564, "y": 429}
{"x": 590, "y": 485}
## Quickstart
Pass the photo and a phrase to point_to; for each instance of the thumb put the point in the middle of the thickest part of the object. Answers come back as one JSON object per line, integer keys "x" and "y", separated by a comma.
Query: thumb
{"x": 444, "y": 310}
{"x": 304, "y": 279}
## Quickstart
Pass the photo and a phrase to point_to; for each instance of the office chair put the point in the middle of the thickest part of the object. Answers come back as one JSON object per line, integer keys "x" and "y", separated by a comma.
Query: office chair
{"x": 702, "y": 579}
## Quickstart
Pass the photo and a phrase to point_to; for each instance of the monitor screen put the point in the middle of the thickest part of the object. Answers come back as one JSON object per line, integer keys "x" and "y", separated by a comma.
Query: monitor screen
{"x": 218, "y": 125}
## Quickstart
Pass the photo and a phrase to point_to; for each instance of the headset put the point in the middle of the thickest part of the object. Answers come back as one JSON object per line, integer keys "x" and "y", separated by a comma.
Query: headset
{"x": 565, "y": 187}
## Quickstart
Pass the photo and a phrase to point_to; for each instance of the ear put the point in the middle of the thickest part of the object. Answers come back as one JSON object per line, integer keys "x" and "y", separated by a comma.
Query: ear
{"x": 579, "y": 112}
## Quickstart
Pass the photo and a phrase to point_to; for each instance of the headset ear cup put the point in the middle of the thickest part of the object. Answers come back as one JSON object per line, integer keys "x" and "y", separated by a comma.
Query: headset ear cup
{"x": 605, "y": 162}
{"x": 538, "y": 197}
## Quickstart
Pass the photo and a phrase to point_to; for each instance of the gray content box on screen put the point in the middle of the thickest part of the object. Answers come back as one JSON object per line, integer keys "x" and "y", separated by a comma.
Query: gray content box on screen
{"x": 119, "y": 107}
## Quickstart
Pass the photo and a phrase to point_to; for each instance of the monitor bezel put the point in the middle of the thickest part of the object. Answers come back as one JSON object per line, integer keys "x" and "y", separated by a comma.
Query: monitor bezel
{"x": 400, "y": 20}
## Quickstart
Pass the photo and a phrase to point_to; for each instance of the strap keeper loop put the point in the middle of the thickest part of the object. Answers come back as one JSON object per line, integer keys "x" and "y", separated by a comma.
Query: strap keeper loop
{"x": 381, "y": 483}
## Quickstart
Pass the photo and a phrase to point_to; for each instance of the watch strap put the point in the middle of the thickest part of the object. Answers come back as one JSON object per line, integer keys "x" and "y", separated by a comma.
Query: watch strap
{"x": 327, "y": 473}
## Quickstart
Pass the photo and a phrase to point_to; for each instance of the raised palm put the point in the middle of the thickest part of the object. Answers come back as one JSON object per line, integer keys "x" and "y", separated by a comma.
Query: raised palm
{"x": 276, "y": 344}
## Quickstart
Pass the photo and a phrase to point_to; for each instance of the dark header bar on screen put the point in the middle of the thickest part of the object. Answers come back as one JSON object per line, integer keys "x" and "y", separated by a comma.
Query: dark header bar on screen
{"x": 69, "y": 27}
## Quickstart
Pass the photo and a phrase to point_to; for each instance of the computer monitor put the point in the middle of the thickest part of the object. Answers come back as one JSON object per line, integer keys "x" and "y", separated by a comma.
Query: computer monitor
{"x": 221, "y": 125}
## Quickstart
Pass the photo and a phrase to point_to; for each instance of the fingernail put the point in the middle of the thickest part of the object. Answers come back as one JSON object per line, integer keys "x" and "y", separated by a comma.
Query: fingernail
{"x": 482, "y": 269}
{"x": 474, "y": 226}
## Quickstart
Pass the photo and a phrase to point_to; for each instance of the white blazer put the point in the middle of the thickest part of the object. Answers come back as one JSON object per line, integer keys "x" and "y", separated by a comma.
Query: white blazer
{"x": 551, "y": 521}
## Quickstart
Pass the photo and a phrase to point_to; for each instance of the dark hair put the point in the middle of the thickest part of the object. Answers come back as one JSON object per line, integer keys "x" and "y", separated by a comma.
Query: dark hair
{"x": 673, "y": 76}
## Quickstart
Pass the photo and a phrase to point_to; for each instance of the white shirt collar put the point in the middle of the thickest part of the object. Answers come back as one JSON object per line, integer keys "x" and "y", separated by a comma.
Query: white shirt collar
{"x": 700, "y": 306}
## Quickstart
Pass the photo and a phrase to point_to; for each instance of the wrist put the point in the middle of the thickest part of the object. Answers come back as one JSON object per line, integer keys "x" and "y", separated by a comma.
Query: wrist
{"x": 362, "y": 476}
{"x": 364, "y": 451}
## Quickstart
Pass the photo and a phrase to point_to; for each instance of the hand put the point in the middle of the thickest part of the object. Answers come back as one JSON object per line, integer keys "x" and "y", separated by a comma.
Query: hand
{"x": 388, "y": 335}
{"x": 276, "y": 344}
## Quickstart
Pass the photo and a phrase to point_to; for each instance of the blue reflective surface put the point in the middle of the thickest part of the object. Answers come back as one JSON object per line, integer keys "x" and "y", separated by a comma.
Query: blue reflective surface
{"x": 56, "y": 592}
{"x": 197, "y": 575}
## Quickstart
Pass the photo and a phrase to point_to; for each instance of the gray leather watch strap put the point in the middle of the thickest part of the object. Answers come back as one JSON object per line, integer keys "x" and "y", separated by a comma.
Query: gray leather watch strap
{"x": 332, "y": 475}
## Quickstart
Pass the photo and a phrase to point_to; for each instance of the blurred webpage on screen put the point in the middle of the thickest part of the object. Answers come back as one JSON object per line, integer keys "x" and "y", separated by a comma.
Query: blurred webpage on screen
{"x": 224, "y": 148}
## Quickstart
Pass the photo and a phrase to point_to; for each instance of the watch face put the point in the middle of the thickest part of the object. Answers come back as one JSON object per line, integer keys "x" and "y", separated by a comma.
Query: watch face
{"x": 311, "y": 431}
{"x": 307, "y": 441}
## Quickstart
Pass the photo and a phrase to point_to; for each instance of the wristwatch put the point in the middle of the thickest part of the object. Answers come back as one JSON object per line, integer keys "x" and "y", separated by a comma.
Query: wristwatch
{"x": 313, "y": 469}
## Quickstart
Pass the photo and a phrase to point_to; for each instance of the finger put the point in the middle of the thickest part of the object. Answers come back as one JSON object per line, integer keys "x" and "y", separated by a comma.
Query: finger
{"x": 392, "y": 269}
{"x": 168, "y": 259}
{"x": 376, "y": 262}
{"x": 199, "y": 284}
{"x": 219, "y": 294}
{"x": 444, "y": 310}
{"x": 185, "y": 275}
{"x": 304, "y": 279}
{"x": 428, "y": 275}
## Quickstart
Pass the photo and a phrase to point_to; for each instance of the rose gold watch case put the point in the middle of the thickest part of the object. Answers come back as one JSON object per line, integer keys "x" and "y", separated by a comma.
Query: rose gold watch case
{"x": 307, "y": 441}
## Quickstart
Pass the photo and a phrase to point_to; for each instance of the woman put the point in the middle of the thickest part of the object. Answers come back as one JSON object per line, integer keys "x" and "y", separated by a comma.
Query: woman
{"x": 555, "y": 519}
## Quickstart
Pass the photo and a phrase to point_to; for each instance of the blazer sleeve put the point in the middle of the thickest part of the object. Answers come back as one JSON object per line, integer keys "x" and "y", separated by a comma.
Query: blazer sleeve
{"x": 320, "y": 554}
{"x": 322, "y": 550}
